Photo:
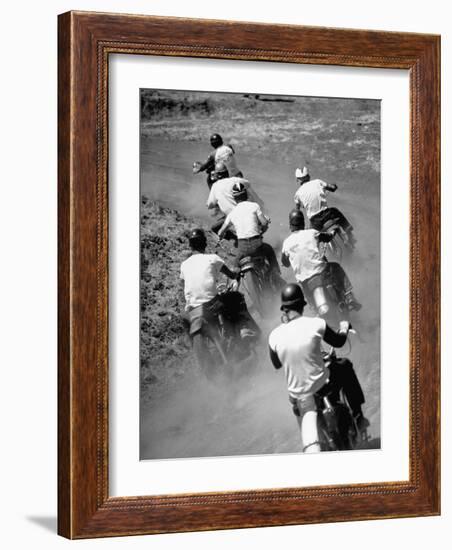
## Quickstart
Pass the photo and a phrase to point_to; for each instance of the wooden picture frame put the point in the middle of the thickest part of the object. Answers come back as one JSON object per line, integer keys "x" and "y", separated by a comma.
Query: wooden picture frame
{"x": 85, "y": 42}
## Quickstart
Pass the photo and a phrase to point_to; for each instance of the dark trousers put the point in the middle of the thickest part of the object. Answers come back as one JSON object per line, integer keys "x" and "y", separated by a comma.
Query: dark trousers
{"x": 256, "y": 247}
{"x": 332, "y": 274}
{"x": 338, "y": 275}
{"x": 318, "y": 220}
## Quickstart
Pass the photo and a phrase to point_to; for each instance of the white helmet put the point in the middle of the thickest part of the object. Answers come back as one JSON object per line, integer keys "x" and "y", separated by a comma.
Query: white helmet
{"x": 301, "y": 173}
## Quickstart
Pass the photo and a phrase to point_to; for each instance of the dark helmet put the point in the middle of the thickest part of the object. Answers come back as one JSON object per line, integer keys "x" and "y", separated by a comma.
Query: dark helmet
{"x": 239, "y": 192}
{"x": 292, "y": 297}
{"x": 197, "y": 239}
{"x": 296, "y": 219}
{"x": 216, "y": 140}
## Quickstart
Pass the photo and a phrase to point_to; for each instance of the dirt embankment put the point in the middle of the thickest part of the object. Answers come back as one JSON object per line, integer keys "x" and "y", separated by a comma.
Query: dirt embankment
{"x": 165, "y": 348}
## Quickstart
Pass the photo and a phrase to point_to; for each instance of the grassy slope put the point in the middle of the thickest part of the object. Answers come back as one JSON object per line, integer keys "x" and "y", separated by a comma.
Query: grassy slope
{"x": 165, "y": 348}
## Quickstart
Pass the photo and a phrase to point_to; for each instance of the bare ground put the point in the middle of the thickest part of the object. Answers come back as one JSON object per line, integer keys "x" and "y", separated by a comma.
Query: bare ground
{"x": 246, "y": 412}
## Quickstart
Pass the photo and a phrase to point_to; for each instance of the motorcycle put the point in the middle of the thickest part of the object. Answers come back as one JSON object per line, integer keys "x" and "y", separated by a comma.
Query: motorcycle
{"x": 325, "y": 296}
{"x": 222, "y": 331}
{"x": 343, "y": 243}
{"x": 336, "y": 426}
{"x": 259, "y": 284}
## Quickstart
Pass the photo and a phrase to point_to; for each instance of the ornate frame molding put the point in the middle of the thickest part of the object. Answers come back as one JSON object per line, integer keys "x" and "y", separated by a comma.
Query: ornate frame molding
{"x": 85, "y": 42}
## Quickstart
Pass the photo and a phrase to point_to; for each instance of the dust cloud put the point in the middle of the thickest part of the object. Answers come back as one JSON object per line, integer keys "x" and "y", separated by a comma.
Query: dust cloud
{"x": 245, "y": 410}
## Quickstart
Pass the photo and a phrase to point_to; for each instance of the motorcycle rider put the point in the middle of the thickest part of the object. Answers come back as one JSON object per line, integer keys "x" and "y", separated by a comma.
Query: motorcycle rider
{"x": 200, "y": 273}
{"x": 295, "y": 345}
{"x": 249, "y": 223}
{"x": 311, "y": 196}
{"x": 223, "y": 157}
{"x": 221, "y": 197}
{"x": 301, "y": 251}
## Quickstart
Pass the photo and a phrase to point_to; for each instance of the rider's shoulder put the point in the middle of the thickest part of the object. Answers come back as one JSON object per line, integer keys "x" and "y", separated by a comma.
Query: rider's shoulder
{"x": 232, "y": 181}
{"x": 275, "y": 334}
{"x": 319, "y": 182}
{"x": 225, "y": 148}
{"x": 246, "y": 206}
{"x": 311, "y": 321}
{"x": 319, "y": 323}
{"x": 213, "y": 258}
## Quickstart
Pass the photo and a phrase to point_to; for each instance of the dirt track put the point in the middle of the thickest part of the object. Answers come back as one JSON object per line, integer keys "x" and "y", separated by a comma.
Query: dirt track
{"x": 249, "y": 414}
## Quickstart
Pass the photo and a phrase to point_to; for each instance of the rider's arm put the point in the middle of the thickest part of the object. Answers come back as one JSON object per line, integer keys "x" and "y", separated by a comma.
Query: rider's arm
{"x": 226, "y": 224}
{"x": 274, "y": 358}
{"x": 330, "y": 187}
{"x": 285, "y": 259}
{"x": 337, "y": 338}
{"x": 229, "y": 273}
{"x": 208, "y": 164}
{"x": 262, "y": 218}
{"x": 211, "y": 199}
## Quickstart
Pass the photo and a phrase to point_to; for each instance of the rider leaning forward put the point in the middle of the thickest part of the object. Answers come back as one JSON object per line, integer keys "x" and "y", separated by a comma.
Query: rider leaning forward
{"x": 223, "y": 157}
{"x": 249, "y": 223}
{"x": 221, "y": 197}
{"x": 301, "y": 251}
{"x": 295, "y": 346}
{"x": 200, "y": 274}
{"x": 311, "y": 196}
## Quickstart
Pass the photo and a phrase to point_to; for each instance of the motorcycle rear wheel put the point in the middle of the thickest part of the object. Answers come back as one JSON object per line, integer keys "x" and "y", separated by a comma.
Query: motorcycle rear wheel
{"x": 253, "y": 293}
{"x": 340, "y": 248}
{"x": 339, "y": 435}
{"x": 209, "y": 353}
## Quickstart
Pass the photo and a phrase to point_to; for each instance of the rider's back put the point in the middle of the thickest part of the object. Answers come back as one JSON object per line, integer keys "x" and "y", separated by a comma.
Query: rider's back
{"x": 312, "y": 196}
{"x": 297, "y": 344}
{"x": 221, "y": 193}
{"x": 302, "y": 249}
{"x": 225, "y": 157}
{"x": 245, "y": 219}
{"x": 200, "y": 274}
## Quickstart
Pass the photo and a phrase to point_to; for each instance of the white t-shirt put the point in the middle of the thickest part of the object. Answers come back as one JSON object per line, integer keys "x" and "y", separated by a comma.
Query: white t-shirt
{"x": 297, "y": 344}
{"x": 312, "y": 197}
{"x": 247, "y": 219}
{"x": 200, "y": 274}
{"x": 302, "y": 249}
{"x": 221, "y": 194}
{"x": 225, "y": 156}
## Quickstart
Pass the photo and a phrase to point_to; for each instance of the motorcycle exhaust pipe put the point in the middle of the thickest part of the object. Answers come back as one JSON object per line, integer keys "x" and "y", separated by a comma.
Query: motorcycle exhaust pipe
{"x": 320, "y": 300}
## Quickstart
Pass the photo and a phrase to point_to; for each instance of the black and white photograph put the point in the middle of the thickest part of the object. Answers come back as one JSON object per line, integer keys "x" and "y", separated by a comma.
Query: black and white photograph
{"x": 224, "y": 235}
{"x": 260, "y": 274}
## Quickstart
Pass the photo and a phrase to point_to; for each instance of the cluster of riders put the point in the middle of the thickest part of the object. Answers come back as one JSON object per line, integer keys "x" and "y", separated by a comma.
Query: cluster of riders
{"x": 296, "y": 344}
